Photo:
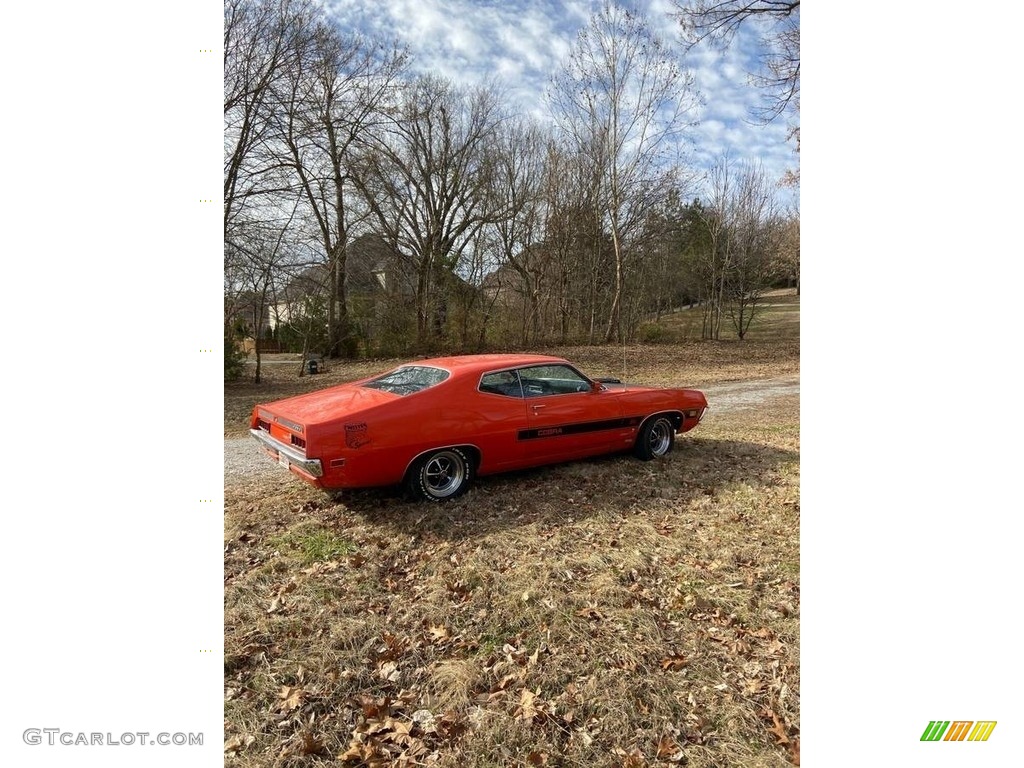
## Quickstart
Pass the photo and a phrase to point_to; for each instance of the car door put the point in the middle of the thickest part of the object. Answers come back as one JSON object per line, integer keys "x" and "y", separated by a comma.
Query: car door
{"x": 500, "y": 415}
{"x": 567, "y": 417}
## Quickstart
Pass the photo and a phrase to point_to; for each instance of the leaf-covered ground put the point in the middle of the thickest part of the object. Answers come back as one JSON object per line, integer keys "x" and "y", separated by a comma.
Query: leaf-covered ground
{"x": 602, "y": 613}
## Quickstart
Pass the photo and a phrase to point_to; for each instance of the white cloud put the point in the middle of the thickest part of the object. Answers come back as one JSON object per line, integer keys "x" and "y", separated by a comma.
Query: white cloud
{"x": 523, "y": 42}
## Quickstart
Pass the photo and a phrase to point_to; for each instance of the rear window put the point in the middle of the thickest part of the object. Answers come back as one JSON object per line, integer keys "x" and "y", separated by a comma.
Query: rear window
{"x": 409, "y": 379}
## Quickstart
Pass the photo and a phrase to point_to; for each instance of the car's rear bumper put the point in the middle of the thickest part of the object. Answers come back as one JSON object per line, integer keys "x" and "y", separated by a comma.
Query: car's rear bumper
{"x": 288, "y": 456}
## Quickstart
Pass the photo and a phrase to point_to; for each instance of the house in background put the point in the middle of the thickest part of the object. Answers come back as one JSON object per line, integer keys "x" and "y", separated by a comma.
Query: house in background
{"x": 380, "y": 286}
{"x": 381, "y": 300}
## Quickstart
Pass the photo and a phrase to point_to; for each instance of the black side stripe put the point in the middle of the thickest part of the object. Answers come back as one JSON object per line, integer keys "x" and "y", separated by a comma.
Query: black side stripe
{"x": 579, "y": 428}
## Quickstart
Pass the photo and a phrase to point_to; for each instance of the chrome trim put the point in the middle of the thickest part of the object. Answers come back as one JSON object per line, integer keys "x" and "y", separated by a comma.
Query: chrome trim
{"x": 310, "y": 466}
{"x": 519, "y": 381}
{"x": 293, "y": 426}
{"x": 518, "y": 369}
{"x": 671, "y": 414}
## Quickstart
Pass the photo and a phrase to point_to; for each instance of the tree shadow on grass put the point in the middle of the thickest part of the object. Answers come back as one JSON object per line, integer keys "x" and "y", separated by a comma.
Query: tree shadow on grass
{"x": 574, "y": 491}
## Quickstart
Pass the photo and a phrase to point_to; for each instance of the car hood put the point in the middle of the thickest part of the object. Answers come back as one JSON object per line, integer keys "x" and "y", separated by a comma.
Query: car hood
{"x": 632, "y": 389}
{"x": 328, "y": 404}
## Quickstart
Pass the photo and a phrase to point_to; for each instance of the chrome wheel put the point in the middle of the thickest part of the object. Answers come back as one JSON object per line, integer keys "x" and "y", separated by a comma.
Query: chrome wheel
{"x": 659, "y": 440}
{"x": 441, "y": 475}
{"x": 656, "y": 438}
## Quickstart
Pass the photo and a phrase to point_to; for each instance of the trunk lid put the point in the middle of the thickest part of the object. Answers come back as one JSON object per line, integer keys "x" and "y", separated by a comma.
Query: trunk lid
{"x": 327, "y": 404}
{"x": 294, "y": 420}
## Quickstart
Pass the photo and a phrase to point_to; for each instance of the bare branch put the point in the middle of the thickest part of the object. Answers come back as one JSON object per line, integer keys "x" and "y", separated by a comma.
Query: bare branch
{"x": 716, "y": 22}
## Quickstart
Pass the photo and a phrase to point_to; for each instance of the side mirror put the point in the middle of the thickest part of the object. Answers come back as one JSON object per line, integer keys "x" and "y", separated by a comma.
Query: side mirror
{"x": 597, "y": 386}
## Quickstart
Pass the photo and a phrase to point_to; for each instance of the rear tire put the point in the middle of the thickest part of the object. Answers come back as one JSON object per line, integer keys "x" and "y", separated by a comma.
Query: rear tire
{"x": 440, "y": 476}
{"x": 656, "y": 438}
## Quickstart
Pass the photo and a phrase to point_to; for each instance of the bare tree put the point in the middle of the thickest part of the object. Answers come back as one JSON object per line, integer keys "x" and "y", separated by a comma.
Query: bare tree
{"x": 789, "y": 249}
{"x": 665, "y": 240}
{"x": 575, "y": 250}
{"x": 262, "y": 41}
{"x": 331, "y": 97}
{"x": 620, "y": 102}
{"x": 716, "y": 22}
{"x": 517, "y": 182}
{"x": 255, "y": 260}
{"x": 426, "y": 179}
{"x": 715, "y": 260}
{"x": 300, "y": 312}
{"x": 745, "y": 234}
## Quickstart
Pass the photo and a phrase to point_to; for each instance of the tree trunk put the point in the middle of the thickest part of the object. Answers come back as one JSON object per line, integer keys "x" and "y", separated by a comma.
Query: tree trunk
{"x": 612, "y": 332}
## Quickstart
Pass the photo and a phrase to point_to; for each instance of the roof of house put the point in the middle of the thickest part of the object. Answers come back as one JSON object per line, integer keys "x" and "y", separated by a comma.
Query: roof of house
{"x": 371, "y": 266}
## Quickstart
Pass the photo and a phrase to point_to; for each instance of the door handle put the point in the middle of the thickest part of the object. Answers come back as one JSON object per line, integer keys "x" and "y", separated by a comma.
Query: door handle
{"x": 538, "y": 406}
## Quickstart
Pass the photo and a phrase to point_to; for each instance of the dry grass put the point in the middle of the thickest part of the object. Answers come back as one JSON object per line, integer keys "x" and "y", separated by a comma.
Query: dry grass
{"x": 776, "y": 318}
{"x": 601, "y": 613}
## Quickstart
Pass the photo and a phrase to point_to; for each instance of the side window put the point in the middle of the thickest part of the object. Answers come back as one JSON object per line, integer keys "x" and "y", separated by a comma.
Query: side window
{"x": 502, "y": 383}
{"x": 552, "y": 380}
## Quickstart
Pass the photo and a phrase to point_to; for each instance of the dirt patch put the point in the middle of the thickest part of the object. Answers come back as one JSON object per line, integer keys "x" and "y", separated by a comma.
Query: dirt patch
{"x": 723, "y": 398}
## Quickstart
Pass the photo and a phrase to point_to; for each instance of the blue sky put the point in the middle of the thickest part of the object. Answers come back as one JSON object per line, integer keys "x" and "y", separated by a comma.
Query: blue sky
{"x": 523, "y": 42}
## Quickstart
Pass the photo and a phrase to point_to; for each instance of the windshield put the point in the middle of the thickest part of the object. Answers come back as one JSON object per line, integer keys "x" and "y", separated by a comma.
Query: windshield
{"x": 407, "y": 380}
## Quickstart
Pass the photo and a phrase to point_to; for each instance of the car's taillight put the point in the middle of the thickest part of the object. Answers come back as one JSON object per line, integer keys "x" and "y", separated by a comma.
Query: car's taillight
{"x": 298, "y": 441}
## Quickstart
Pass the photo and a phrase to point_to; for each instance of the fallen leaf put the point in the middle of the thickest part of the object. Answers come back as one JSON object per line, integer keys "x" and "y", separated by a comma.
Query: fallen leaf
{"x": 674, "y": 663}
{"x": 238, "y": 743}
{"x": 632, "y": 759}
{"x": 778, "y": 727}
{"x": 357, "y": 753}
{"x": 531, "y": 707}
{"x": 291, "y": 698}
{"x": 752, "y": 687}
{"x": 304, "y": 744}
{"x": 526, "y": 706}
{"x": 502, "y": 684}
{"x": 785, "y": 608}
{"x": 389, "y": 671}
{"x": 425, "y": 719}
{"x": 668, "y": 749}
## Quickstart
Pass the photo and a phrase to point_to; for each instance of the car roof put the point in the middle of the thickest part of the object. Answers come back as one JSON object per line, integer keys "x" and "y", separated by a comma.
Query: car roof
{"x": 470, "y": 364}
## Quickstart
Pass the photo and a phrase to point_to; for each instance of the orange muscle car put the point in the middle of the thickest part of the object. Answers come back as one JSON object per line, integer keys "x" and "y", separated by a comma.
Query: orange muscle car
{"x": 434, "y": 425}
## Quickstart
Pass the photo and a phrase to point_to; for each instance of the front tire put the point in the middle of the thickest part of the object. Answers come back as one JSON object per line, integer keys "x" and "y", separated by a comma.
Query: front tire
{"x": 440, "y": 475}
{"x": 656, "y": 438}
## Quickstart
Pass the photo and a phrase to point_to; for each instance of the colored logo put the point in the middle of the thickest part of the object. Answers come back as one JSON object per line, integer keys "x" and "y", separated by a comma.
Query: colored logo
{"x": 356, "y": 435}
{"x": 958, "y": 730}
